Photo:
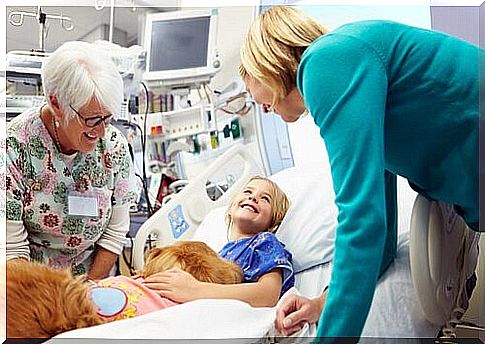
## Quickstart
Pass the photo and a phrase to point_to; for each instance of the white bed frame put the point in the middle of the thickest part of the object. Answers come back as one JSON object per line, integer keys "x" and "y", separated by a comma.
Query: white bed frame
{"x": 443, "y": 254}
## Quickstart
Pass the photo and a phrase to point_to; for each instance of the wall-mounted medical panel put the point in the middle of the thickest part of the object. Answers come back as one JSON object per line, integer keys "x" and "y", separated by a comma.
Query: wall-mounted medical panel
{"x": 176, "y": 124}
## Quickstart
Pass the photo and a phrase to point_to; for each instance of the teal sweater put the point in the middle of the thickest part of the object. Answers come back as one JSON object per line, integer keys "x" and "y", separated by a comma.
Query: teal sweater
{"x": 389, "y": 99}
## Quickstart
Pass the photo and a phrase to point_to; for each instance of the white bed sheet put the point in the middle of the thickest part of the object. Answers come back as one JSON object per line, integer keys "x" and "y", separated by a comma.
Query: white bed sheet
{"x": 201, "y": 319}
{"x": 403, "y": 318}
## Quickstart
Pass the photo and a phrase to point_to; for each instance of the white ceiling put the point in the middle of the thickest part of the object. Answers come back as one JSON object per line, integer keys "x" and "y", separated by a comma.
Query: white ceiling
{"x": 85, "y": 20}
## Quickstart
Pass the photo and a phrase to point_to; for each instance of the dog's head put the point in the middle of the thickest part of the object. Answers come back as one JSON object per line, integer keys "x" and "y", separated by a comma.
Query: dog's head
{"x": 43, "y": 302}
{"x": 196, "y": 258}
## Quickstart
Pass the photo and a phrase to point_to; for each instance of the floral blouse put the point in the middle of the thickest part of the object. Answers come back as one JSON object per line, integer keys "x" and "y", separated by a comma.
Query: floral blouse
{"x": 39, "y": 178}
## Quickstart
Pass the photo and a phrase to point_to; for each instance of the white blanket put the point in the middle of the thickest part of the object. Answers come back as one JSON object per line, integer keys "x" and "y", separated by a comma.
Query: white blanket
{"x": 201, "y": 319}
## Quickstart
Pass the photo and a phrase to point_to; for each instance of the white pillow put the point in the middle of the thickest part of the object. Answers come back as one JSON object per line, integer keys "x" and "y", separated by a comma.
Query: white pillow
{"x": 213, "y": 230}
{"x": 308, "y": 229}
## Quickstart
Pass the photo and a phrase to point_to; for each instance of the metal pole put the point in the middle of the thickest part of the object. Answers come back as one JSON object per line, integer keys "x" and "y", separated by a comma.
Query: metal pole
{"x": 111, "y": 20}
{"x": 41, "y": 18}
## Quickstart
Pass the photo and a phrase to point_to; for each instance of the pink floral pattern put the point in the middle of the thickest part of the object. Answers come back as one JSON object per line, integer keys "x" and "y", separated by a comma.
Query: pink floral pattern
{"x": 23, "y": 134}
{"x": 121, "y": 188}
{"x": 49, "y": 180}
{"x": 73, "y": 241}
{"x": 51, "y": 221}
{"x": 59, "y": 261}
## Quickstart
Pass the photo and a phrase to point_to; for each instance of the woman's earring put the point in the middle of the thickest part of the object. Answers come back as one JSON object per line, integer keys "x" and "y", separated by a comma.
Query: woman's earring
{"x": 57, "y": 123}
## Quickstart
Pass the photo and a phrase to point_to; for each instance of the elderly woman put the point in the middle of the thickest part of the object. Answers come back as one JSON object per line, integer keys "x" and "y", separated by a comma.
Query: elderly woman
{"x": 389, "y": 99}
{"x": 70, "y": 180}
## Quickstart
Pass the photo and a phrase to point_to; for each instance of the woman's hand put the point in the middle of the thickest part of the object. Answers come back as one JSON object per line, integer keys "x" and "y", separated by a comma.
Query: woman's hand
{"x": 295, "y": 311}
{"x": 175, "y": 284}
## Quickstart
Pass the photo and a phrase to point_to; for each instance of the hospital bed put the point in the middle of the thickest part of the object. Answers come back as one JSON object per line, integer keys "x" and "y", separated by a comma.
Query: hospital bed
{"x": 308, "y": 231}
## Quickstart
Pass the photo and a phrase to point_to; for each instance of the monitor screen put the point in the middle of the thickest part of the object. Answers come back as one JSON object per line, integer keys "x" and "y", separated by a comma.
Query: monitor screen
{"x": 179, "y": 43}
{"x": 181, "y": 48}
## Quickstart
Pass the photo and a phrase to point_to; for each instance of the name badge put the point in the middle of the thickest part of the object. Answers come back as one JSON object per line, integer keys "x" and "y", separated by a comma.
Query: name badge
{"x": 82, "y": 204}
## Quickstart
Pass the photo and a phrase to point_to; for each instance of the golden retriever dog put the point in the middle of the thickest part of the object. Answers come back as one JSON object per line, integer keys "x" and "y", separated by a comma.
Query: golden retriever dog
{"x": 43, "y": 302}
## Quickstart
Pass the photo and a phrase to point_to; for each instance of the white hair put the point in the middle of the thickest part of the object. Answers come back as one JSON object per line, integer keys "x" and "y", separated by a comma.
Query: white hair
{"x": 76, "y": 72}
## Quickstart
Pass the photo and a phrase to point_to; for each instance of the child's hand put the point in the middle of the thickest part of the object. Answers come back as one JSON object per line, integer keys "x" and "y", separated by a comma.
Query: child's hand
{"x": 175, "y": 284}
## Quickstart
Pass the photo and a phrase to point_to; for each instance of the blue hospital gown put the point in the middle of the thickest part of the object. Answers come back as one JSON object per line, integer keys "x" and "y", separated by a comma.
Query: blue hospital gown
{"x": 259, "y": 255}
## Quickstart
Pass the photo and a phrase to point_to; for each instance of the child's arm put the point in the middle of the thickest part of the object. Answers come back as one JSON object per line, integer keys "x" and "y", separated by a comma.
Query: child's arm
{"x": 180, "y": 286}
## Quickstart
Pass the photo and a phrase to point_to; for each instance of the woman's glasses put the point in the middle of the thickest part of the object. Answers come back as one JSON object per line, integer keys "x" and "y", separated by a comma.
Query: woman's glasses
{"x": 92, "y": 122}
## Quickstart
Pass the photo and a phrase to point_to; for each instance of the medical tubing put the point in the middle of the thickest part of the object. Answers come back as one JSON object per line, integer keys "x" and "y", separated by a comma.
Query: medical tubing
{"x": 149, "y": 206}
{"x": 207, "y": 94}
{"x": 129, "y": 262}
{"x": 132, "y": 155}
{"x": 130, "y": 149}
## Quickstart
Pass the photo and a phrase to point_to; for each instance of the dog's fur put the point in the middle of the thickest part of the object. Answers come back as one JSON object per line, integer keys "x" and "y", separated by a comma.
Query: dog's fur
{"x": 197, "y": 259}
{"x": 43, "y": 302}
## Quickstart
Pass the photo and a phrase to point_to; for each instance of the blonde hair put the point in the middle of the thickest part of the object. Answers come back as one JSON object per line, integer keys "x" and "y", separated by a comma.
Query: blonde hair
{"x": 273, "y": 46}
{"x": 279, "y": 204}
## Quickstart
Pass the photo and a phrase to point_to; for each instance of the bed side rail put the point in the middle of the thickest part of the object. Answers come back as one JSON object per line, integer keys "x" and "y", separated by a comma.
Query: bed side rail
{"x": 179, "y": 218}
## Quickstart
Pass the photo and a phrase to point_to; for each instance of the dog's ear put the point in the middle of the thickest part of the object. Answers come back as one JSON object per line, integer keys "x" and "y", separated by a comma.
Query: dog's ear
{"x": 154, "y": 252}
{"x": 161, "y": 259}
{"x": 196, "y": 258}
{"x": 215, "y": 271}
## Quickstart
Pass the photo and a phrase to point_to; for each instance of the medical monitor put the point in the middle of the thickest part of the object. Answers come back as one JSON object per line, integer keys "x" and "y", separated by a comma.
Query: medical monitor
{"x": 181, "y": 49}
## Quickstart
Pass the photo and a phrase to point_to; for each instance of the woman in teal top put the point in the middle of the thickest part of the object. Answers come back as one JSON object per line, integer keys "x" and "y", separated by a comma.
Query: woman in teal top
{"x": 389, "y": 100}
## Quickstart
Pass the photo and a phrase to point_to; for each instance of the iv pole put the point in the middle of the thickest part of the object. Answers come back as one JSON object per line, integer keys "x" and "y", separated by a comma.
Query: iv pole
{"x": 111, "y": 20}
{"x": 99, "y": 7}
{"x": 41, "y": 18}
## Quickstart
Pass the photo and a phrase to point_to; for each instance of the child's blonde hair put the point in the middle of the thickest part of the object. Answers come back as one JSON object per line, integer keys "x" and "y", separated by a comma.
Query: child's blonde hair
{"x": 279, "y": 204}
{"x": 273, "y": 46}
